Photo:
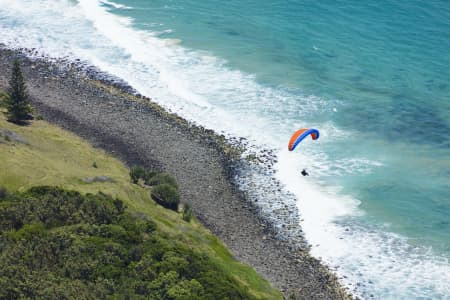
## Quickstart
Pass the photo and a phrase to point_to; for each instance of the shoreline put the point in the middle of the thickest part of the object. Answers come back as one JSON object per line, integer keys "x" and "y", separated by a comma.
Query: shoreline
{"x": 137, "y": 131}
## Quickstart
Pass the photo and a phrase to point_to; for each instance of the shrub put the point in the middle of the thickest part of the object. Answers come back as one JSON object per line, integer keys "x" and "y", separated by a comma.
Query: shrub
{"x": 187, "y": 213}
{"x": 136, "y": 173}
{"x": 166, "y": 195}
{"x": 163, "y": 178}
{"x": 3, "y": 98}
{"x": 292, "y": 297}
{"x": 149, "y": 175}
{"x": 28, "y": 231}
{"x": 186, "y": 290}
{"x": 3, "y": 193}
{"x": 94, "y": 165}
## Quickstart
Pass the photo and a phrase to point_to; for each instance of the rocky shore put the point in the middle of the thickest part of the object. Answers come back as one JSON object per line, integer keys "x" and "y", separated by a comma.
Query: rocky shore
{"x": 111, "y": 116}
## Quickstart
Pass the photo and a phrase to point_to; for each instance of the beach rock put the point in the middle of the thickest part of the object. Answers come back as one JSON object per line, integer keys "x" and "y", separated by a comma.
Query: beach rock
{"x": 98, "y": 179}
{"x": 9, "y": 135}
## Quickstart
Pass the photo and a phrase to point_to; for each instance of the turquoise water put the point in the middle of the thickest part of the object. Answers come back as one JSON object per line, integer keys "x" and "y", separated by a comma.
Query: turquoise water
{"x": 386, "y": 63}
{"x": 373, "y": 77}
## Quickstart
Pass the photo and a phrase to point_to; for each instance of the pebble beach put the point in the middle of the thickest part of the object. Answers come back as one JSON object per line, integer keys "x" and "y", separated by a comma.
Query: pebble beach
{"x": 112, "y": 116}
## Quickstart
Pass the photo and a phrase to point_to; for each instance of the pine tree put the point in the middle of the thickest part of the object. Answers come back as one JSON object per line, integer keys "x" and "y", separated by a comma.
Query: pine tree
{"x": 18, "y": 106}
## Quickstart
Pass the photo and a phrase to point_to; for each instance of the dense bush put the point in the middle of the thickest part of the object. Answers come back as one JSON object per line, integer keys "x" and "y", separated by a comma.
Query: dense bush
{"x": 165, "y": 187}
{"x": 161, "y": 178}
{"x": 166, "y": 195}
{"x": 3, "y": 193}
{"x": 187, "y": 212}
{"x": 3, "y": 98}
{"x": 57, "y": 244}
{"x": 136, "y": 173}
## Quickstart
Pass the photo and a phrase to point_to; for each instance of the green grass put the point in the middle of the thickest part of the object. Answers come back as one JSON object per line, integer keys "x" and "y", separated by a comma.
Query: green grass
{"x": 56, "y": 157}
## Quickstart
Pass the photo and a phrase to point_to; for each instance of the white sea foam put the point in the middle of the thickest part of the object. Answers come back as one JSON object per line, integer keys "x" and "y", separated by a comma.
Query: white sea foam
{"x": 383, "y": 264}
{"x": 200, "y": 87}
{"x": 115, "y": 5}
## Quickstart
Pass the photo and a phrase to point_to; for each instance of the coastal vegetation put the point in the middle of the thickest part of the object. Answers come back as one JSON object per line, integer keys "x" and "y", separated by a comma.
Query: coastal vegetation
{"x": 187, "y": 213}
{"x": 166, "y": 195}
{"x": 17, "y": 103}
{"x": 61, "y": 244}
{"x": 164, "y": 186}
{"x": 63, "y": 236}
{"x": 3, "y": 98}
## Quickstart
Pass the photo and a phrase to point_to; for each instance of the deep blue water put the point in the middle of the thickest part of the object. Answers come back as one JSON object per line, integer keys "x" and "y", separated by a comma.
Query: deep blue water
{"x": 373, "y": 76}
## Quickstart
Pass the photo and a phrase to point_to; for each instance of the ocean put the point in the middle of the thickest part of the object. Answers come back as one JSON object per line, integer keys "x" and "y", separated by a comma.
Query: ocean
{"x": 372, "y": 76}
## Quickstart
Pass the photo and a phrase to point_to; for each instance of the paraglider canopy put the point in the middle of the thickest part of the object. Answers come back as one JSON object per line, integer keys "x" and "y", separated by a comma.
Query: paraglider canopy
{"x": 300, "y": 134}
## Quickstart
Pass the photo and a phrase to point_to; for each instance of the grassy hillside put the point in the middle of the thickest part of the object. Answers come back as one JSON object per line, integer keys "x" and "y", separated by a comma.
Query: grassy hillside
{"x": 42, "y": 154}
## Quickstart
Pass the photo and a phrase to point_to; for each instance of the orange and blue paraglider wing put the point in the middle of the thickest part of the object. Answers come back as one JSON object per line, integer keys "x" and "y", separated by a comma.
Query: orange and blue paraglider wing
{"x": 299, "y": 135}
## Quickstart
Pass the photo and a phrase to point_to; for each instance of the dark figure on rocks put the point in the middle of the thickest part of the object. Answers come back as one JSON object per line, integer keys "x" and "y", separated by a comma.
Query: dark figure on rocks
{"x": 304, "y": 173}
